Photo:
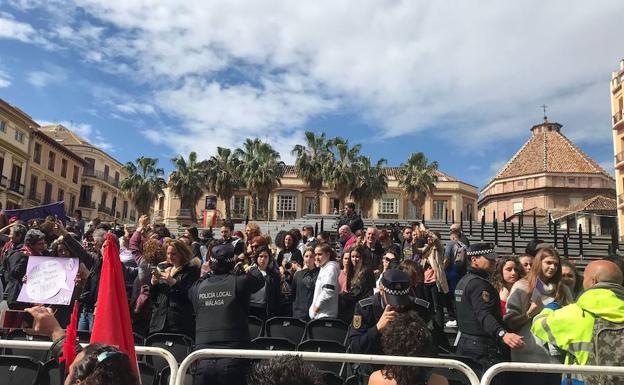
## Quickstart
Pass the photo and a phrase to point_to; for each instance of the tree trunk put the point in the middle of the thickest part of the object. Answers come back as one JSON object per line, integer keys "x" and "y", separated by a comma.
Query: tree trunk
{"x": 317, "y": 200}
{"x": 252, "y": 207}
{"x": 228, "y": 208}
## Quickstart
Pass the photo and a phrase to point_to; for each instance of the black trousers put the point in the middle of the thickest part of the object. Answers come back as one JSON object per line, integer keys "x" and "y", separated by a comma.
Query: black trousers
{"x": 223, "y": 371}
{"x": 485, "y": 352}
{"x": 435, "y": 298}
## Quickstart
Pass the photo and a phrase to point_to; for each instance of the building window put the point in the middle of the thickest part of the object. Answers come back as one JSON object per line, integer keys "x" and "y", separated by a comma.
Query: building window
{"x": 51, "y": 160}
{"x": 47, "y": 194}
{"x": 439, "y": 209}
{"x": 90, "y": 163}
{"x": 64, "y": 168}
{"x": 106, "y": 172}
{"x": 103, "y": 200}
{"x": 75, "y": 176}
{"x": 388, "y": 206}
{"x": 37, "y": 153}
{"x": 2, "y": 126}
{"x": 124, "y": 211}
{"x": 239, "y": 206}
{"x": 572, "y": 180}
{"x": 116, "y": 177}
{"x": 61, "y": 195}
{"x": 72, "y": 203}
{"x": 114, "y": 206}
{"x": 517, "y": 207}
{"x": 19, "y": 136}
{"x": 33, "y": 186}
{"x": 286, "y": 203}
{"x": 310, "y": 205}
{"x": 16, "y": 177}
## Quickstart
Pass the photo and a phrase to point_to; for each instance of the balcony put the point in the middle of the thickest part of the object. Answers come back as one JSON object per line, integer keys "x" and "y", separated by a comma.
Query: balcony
{"x": 16, "y": 187}
{"x": 104, "y": 209}
{"x": 34, "y": 197}
{"x": 183, "y": 213}
{"x": 87, "y": 204}
{"x": 617, "y": 118}
{"x": 101, "y": 176}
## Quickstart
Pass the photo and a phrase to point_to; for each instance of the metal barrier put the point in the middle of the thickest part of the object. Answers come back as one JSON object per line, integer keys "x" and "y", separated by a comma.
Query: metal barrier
{"x": 325, "y": 357}
{"x": 143, "y": 350}
{"x": 546, "y": 368}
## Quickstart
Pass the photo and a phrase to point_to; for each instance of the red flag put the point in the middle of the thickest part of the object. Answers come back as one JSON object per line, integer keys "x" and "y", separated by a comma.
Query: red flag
{"x": 69, "y": 346}
{"x": 112, "y": 325}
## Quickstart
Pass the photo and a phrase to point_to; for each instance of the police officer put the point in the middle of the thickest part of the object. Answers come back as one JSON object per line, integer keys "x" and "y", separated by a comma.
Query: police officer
{"x": 221, "y": 303}
{"x": 374, "y": 313}
{"x": 482, "y": 334}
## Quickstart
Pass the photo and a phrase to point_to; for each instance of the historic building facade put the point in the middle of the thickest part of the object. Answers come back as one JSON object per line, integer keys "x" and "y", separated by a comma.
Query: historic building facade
{"x": 99, "y": 194}
{"x": 617, "y": 111}
{"x": 16, "y": 129}
{"x": 294, "y": 199}
{"x": 548, "y": 174}
{"x": 55, "y": 173}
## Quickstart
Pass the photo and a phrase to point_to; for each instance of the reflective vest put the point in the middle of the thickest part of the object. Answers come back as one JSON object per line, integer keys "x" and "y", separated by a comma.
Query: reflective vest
{"x": 221, "y": 318}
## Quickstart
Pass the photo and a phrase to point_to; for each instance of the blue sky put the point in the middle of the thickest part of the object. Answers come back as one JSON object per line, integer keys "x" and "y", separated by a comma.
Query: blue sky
{"x": 460, "y": 81}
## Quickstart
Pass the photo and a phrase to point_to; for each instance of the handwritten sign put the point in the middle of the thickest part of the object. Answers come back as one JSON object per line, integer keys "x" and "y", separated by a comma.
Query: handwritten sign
{"x": 49, "y": 280}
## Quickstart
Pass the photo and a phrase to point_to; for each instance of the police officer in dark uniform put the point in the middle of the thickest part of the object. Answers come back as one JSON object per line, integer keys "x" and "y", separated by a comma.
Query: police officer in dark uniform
{"x": 221, "y": 303}
{"x": 373, "y": 314}
{"x": 482, "y": 333}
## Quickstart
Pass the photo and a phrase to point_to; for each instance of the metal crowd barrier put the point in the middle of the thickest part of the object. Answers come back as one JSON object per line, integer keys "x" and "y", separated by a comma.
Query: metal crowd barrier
{"x": 143, "y": 350}
{"x": 325, "y": 357}
{"x": 547, "y": 368}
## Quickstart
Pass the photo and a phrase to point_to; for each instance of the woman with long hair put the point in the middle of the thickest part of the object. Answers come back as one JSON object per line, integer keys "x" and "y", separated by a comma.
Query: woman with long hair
{"x": 360, "y": 280}
{"x": 303, "y": 286}
{"x": 508, "y": 271}
{"x": 264, "y": 303}
{"x": 527, "y": 298}
{"x": 326, "y": 289}
{"x": 571, "y": 277}
{"x": 172, "y": 309}
{"x": 100, "y": 364}
{"x": 344, "y": 263}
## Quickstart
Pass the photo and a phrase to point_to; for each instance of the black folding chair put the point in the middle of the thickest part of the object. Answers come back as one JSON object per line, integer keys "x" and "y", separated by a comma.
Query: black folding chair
{"x": 329, "y": 378}
{"x": 272, "y": 343}
{"x": 51, "y": 373}
{"x": 256, "y": 326}
{"x": 328, "y": 329}
{"x": 19, "y": 370}
{"x": 149, "y": 376}
{"x": 325, "y": 347}
{"x": 178, "y": 344}
{"x": 19, "y": 335}
{"x": 292, "y": 329}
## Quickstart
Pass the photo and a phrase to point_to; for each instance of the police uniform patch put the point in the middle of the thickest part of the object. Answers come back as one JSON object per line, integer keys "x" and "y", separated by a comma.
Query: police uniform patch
{"x": 485, "y": 295}
{"x": 357, "y": 321}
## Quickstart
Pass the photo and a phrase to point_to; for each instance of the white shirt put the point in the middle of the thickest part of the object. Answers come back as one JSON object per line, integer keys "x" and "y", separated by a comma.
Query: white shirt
{"x": 326, "y": 292}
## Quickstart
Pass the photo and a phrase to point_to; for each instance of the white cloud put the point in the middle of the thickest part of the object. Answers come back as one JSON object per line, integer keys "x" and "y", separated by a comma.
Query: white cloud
{"x": 231, "y": 69}
{"x": 135, "y": 108}
{"x": 5, "y": 80}
{"x": 12, "y": 29}
{"x": 50, "y": 76}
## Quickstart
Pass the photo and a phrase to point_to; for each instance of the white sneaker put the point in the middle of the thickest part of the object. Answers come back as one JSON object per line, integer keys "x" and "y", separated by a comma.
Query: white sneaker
{"x": 451, "y": 324}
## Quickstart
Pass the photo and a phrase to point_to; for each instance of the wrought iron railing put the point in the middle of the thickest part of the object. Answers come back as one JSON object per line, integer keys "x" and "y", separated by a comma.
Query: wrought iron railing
{"x": 101, "y": 176}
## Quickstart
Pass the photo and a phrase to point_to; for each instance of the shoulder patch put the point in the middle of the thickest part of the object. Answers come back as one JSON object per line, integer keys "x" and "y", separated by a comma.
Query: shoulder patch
{"x": 485, "y": 295}
{"x": 357, "y": 321}
{"x": 366, "y": 301}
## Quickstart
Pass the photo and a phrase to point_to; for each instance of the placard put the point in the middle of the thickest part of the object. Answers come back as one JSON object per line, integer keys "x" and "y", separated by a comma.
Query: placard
{"x": 49, "y": 280}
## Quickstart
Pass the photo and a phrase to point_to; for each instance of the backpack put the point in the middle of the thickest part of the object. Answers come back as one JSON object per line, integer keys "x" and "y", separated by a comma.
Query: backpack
{"x": 608, "y": 350}
{"x": 459, "y": 257}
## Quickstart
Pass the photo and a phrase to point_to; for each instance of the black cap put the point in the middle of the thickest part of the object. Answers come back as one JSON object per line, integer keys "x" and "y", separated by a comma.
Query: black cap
{"x": 223, "y": 253}
{"x": 396, "y": 285}
{"x": 485, "y": 250}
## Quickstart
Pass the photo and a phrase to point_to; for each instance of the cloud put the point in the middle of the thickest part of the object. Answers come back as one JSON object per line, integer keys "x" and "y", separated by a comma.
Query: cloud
{"x": 12, "y": 29}
{"x": 52, "y": 75}
{"x": 5, "y": 80}
{"x": 474, "y": 75}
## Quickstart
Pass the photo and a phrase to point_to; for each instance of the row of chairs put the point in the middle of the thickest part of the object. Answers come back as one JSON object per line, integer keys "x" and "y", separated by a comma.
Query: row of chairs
{"x": 297, "y": 331}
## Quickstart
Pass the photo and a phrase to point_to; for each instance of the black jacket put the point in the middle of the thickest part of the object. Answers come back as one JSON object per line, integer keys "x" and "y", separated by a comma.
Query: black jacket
{"x": 354, "y": 222}
{"x": 172, "y": 311}
{"x": 302, "y": 292}
{"x": 14, "y": 270}
{"x": 272, "y": 292}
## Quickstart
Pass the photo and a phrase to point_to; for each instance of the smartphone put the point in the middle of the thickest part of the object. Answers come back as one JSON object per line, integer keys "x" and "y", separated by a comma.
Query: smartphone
{"x": 16, "y": 319}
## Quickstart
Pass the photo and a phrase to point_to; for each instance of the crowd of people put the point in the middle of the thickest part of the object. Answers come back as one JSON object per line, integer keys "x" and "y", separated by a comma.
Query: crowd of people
{"x": 397, "y": 290}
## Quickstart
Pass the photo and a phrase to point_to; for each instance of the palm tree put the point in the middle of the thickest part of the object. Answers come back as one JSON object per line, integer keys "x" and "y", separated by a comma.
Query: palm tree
{"x": 260, "y": 170}
{"x": 417, "y": 178}
{"x": 223, "y": 176}
{"x": 371, "y": 183}
{"x": 188, "y": 181}
{"x": 339, "y": 170}
{"x": 144, "y": 183}
{"x": 310, "y": 161}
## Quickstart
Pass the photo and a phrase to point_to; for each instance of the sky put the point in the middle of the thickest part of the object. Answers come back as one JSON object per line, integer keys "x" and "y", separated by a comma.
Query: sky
{"x": 461, "y": 81}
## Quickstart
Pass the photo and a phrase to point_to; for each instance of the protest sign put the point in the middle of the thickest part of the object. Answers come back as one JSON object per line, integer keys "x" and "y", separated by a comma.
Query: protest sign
{"x": 49, "y": 280}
